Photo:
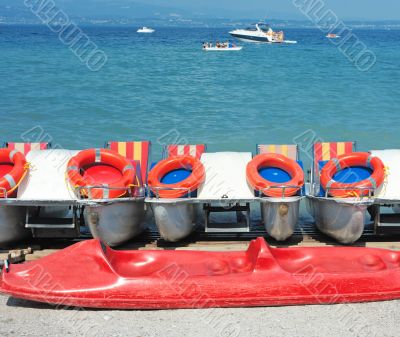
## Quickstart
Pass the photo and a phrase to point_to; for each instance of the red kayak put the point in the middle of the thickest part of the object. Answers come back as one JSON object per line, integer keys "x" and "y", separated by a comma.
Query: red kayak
{"x": 90, "y": 274}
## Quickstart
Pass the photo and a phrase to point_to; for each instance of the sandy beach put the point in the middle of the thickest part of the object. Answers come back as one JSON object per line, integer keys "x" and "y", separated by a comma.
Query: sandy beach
{"x": 23, "y": 318}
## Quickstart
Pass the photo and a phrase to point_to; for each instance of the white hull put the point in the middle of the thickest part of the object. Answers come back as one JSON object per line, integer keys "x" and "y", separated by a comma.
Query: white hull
{"x": 145, "y": 30}
{"x": 256, "y": 36}
{"x": 222, "y": 49}
{"x": 267, "y": 42}
{"x": 251, "y": 41}
{"x": 260, "y": 35}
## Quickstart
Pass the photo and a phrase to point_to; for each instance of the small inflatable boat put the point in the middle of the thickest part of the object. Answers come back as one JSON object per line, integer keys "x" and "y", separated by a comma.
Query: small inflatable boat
{"x": 237, "y": 48}
{"x": 90, "y": 274}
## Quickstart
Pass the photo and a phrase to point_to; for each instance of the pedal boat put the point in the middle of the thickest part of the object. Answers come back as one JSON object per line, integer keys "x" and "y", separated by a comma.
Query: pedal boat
{"x": 278, "y": 180}
{"x": 110, "y": 194}
{"x": 209, "y": 190}
{"x": 90, "y": 274}
{"x": 172, "y": 183}
{"x": 346, "y": 187}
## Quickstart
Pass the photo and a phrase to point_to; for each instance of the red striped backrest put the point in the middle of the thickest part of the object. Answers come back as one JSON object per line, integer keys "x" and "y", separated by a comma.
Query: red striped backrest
{"x": 135, "y": 151}
{"x": 327, "y": 151}
{"x": 25, "y": 148}
{"x": 193, "y": 150}
{"x": 289, "y": 150}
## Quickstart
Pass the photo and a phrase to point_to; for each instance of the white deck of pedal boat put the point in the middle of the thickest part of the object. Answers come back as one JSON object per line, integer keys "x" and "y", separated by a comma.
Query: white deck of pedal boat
{"x": 389, "y": 191}
{"x": 46, "y": 179}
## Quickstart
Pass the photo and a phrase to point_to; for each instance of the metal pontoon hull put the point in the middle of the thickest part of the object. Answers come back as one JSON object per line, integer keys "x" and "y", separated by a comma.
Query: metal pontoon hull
{"x": 280, "y": 216}
{"x": 12, "y": 224}
{"x": 341, "y": 219}
{"x": 175, "y": 220}
{"x": 115, "y": 221}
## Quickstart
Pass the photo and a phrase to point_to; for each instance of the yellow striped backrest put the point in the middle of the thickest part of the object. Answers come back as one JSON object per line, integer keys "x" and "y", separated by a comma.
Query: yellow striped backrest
{"x": 136, "y": 151}
{"x": 326, "y": 151}
{"x": 289, "y": 150}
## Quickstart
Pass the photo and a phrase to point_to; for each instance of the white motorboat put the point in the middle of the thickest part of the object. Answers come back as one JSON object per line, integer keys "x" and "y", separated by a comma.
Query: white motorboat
{"x": 145, "y": 30}
{"x": 261, "y": 32}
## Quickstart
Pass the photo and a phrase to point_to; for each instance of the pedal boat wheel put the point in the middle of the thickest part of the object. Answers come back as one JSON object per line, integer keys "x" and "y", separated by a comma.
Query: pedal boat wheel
{"x": 13, "y": 168}
{"x": 270, "y": 188}
{"x": 358, "y": 188}
{"x": 101, "y": 174}
{"x": 179, "y": 189}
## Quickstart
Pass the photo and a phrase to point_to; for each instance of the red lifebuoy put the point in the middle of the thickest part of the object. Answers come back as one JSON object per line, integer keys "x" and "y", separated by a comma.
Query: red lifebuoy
{"x": 10, "y": 180}
{"x": 177, "y": 190}
{"x": 90, "y": 158}
{"x": 359, "y": 188}
{"x": 269, "y": 188}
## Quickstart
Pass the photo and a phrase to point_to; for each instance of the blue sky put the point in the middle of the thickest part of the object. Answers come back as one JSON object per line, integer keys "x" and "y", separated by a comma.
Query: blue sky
{"x": 255, "y": 9}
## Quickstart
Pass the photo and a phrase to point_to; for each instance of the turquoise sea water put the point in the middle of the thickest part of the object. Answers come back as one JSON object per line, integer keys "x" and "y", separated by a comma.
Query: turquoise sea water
{"x": 159, "y": 84}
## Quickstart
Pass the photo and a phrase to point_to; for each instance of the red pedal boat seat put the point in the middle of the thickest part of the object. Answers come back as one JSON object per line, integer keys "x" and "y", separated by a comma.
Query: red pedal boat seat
{"x": 89, "y": 274}
{"x": 101, "y": 173}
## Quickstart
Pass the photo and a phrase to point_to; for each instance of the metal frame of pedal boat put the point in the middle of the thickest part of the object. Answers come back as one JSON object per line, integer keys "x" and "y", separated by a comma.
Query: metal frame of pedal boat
{"x": 177, "y": 218}
{"x": 280, "y": 215}
{"x": 114, "y": 221}
{"x": 19, "y": 220}
{"x": 385, "y": 223}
